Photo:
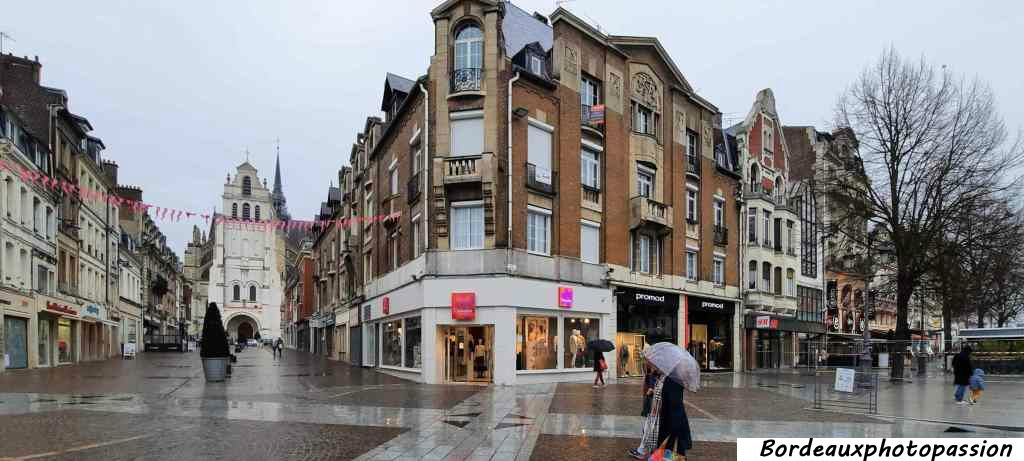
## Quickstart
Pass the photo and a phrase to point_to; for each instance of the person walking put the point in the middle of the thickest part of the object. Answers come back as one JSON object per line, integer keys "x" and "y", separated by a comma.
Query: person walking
{"x": 667, "y": 424}
{"x": 977, "y": 385}
{"x": 650, "y": 381}
{"x": 599, "y": 368}
{"x": 962, "y": 370}
{"x": 279, "y": 348}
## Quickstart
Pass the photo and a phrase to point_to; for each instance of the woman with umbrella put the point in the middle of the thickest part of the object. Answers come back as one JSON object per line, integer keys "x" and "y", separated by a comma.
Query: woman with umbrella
{"x": 667, "y": 426}
{"x": 598, "y": 347}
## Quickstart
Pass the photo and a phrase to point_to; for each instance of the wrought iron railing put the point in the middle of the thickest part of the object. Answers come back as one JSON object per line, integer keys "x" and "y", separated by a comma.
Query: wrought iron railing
{"x": 721, "y": 235}
{"x": 591, "y": 194}
{"x": 693, "y": 165}
{"x": 413, "y": 188}
{"x": 540, "y": 179}
{"x": 466, "y": 79}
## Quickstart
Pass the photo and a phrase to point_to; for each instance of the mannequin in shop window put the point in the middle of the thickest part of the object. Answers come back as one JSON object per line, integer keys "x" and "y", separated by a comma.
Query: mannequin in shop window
{"x": 480, "y": 359}
{"x": 714, "y": 347}
{"x": 577, "y": 344}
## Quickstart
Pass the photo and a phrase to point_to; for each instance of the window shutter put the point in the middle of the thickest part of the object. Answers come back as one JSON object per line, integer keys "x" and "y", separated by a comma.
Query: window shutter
{"x": 467, "y": 136}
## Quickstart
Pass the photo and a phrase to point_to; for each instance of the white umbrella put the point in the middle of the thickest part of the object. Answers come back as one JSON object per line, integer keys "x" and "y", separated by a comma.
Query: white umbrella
{"x": 676, "y": 363}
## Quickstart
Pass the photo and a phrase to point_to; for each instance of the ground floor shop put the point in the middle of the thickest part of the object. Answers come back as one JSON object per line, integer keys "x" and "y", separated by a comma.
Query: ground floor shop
{"x": 99, "y": 334}
{"x": 710, "y": 332}
{"x": 773, "y": 341}
{"x": 467, "y": 331}
{"x": 643, "y": 317}
{"x": 38, "y": 331}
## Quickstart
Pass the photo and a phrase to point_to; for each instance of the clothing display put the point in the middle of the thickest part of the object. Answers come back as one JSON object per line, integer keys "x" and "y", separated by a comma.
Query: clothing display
{"x": 577, "y": 344}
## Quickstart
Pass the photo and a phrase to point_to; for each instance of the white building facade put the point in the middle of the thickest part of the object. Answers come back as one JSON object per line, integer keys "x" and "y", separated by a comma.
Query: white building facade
{"x": 244, "y": 279}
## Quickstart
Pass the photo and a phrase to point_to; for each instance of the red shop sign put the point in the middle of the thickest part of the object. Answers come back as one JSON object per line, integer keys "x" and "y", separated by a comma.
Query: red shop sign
{"x": 463, "y": 305}
{"x": 386, "y": 305}
{"x": 59, "y": 308}
{"x": 565, "y": 297}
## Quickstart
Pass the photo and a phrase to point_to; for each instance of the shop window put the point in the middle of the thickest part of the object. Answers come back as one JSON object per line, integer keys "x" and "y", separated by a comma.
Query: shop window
{"x": 579, "y": 331}
{"x": 413, "y": 343}
{"x": 536, "y": 348}
{"x": 391, "y": 344}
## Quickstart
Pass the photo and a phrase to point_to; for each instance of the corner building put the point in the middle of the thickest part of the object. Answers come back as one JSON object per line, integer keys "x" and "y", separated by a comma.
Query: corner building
{"x": 542, "y": 186}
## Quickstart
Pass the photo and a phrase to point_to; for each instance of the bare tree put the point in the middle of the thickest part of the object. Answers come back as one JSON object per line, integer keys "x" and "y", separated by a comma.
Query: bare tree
{"x": 932, "y": 148}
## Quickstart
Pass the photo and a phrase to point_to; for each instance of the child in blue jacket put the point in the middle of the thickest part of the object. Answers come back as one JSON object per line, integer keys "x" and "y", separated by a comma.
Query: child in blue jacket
{"x": 977, "y": 385}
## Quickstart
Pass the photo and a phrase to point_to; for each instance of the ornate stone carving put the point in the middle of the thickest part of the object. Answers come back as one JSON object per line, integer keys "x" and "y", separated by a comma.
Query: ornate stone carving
{"x": 571, "y": 65}
{"x": 707, "y": 135}
{"x": 615, "y": 84}
{"x": 645, "y": 89}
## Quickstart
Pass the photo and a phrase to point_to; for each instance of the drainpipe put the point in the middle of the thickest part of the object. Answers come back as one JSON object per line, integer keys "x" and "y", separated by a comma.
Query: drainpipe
{"x": 508, "y": 244}
{"x": 425, "y": 144}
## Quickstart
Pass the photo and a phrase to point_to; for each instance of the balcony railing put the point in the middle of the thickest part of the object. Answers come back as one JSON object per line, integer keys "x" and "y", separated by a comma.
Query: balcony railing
{"x": 462, "y": 169}
{"x": 466, "y": 79}
{"x": 591, "y": 194}
{"x": 413, "y": 188}
{"x": 693, "y": 165}
{"x": 540, "y": 179}
{"x": 721, "y": 235}
{"x": 67, "y": 288}
{"x": 644, "y": 210}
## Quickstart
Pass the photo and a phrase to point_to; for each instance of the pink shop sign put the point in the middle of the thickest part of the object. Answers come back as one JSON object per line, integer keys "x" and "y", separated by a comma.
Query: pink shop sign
{"x": 565, "y": 297}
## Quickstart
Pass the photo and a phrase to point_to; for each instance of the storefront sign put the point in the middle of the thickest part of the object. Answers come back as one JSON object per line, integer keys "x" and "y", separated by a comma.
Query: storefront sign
{"x": 61, "y": 308}
{"x": 698, "y": 304}
{"x": 463, "y": 305}
{"x": 765, "y": 322}
{"x": 844, "y": 379}
{"x": 565, "y": 297}
{"x": 631, "y": 297}
{"x": 386, "y": 305}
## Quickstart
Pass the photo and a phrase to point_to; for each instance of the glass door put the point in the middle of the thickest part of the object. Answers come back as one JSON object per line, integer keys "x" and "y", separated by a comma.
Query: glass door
{"x": 44, "y": 343}
{"x": 630, "y": 347}
{"x": 481, "y": 353}
{"x": 698, "y": 346}
{"x": 456, "y": 353}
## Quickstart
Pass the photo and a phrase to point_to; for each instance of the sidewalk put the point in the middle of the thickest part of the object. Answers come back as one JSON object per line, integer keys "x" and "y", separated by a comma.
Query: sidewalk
{"x": 924, "y": 398}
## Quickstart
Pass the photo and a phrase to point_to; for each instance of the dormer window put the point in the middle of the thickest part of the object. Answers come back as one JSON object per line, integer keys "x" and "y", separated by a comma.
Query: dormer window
{"x": 536, "y": 65}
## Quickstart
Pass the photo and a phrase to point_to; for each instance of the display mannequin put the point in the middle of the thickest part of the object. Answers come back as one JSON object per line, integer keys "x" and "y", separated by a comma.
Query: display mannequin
{"x": 577, "y": 344}
{"x": 480, "y": 358}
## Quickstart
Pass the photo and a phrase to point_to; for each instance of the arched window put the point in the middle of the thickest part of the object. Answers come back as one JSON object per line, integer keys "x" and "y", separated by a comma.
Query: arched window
{"x": 245, "y": 211}
{"x": 752, "y": 276}
{"x": 257, "y": 212}
{"x": 236, "y": 292}
{"x": 845, "y": 297}
{"x": 755, "y": 178}
{"x": 780, "y": 190}
{"x": 234, "y": 211}
{"x": 246, "y": 185}
{"x": 469, "y": 50}
{"x": 766, "y": 277}
{"x": 469, "y": 46}
{"x": 252, "y": 293}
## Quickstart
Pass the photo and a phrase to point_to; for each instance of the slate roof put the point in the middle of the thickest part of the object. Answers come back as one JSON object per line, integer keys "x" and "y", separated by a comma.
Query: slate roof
{"x": 334, "y": 194}
{"x": 399, "y": 83}
{"x": 521, "y": 28}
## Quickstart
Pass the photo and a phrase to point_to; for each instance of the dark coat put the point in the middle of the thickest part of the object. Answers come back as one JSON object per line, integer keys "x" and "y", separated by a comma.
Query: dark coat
{"x": 962, "y": 369}
{"x": 674, "y": 424}
{"x": 597, "y": 360}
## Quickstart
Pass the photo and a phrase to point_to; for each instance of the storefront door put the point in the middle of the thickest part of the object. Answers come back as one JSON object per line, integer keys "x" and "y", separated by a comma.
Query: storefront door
{"x": 630, "y": 346}
{"x": 65, "y": 341}
{"x": 698, "y": 345}
{"x": 469, "y": 354}
{"x": 768, "y": 349}
{"x": 16, "y": 342}
{"x": 44, "y": 342}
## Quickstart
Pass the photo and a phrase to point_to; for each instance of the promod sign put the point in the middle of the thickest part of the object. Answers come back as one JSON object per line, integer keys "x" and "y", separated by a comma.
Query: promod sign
{"x": 463, "y": 305}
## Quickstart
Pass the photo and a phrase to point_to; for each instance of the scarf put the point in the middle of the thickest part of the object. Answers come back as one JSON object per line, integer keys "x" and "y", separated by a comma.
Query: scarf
{"x": 653, "y": 421}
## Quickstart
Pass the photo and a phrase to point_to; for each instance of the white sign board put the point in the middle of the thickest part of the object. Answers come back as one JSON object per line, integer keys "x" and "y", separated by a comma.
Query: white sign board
{"x": 129, "y": 349}
{"x": 883, "y": 360}
{"x": 764, "y": 321}
{"x": 844, "y": 379}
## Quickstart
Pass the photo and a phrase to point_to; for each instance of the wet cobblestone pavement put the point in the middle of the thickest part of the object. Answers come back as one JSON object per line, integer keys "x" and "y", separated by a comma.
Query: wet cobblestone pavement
{"x": 159, "y": 407}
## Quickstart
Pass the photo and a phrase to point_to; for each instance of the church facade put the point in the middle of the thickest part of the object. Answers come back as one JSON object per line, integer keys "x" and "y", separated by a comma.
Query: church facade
{"x": 247, "y": 262}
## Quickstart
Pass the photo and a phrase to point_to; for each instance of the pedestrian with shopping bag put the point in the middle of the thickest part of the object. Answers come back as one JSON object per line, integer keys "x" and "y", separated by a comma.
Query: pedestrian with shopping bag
{"x": 667, "y": 429}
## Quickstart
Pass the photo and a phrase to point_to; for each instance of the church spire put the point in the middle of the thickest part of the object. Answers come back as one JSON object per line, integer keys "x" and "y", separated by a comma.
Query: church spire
{"x": 277, "y": 171}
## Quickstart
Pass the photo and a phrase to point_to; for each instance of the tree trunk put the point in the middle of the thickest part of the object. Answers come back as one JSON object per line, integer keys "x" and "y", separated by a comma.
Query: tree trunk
{"x": 947, "y": 328}
{"x": 902, "y": 339}
{"x": 981, "y": 317}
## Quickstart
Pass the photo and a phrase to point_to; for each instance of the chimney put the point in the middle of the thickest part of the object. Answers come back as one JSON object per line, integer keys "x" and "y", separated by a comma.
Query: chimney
{"x": 540, "y": 17}
{"x": 110, "y": 169}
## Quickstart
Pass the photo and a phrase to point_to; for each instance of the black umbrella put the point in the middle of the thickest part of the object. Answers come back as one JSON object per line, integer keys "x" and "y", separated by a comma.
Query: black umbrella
{"x": 602, "y": 345}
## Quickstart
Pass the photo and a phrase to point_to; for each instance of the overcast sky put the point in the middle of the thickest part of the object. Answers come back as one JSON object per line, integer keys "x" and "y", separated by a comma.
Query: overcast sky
{"x": 179, "y": 89}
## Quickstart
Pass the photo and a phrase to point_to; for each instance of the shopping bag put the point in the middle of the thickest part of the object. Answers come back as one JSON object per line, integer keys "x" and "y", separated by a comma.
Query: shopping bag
{"x": 603, "y": 365}
{"x": 665, "y": 454}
